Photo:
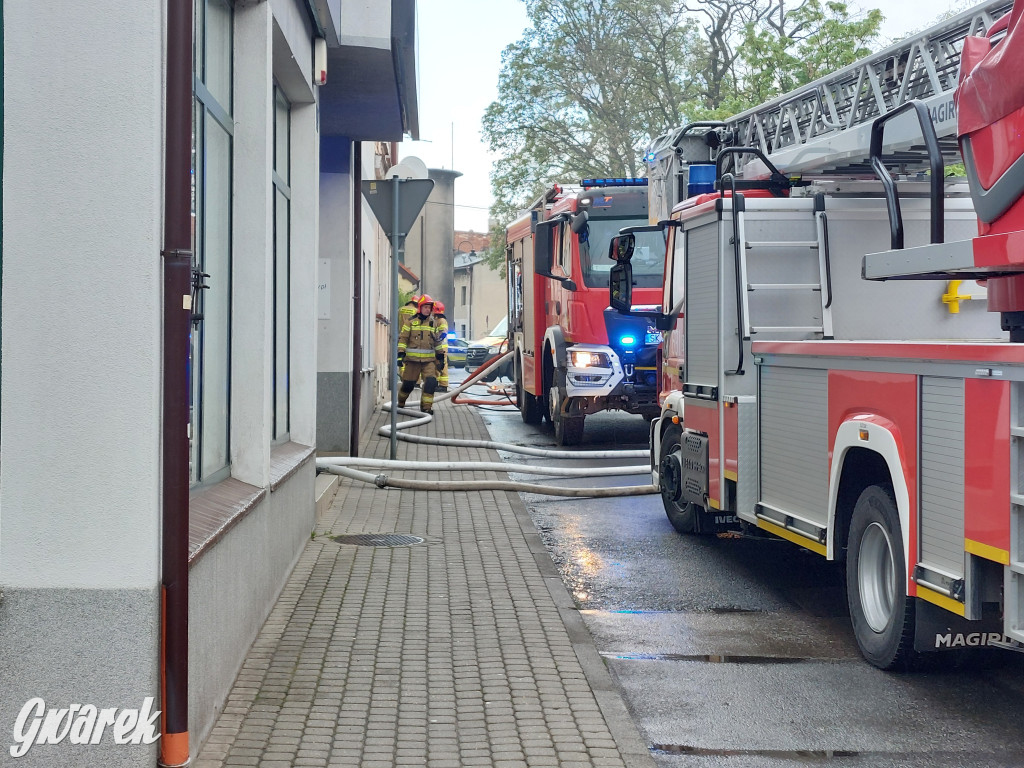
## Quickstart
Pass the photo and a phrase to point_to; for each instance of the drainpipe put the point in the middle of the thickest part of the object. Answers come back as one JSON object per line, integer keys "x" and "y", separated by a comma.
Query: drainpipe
{"x": 177, "y": 320}
{"x": 357, "y": 295}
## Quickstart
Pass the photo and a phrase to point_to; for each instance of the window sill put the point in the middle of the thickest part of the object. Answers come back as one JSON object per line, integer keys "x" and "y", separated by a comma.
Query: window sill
{"x": 213, "y": 511}
{"x": 285, "y": 460}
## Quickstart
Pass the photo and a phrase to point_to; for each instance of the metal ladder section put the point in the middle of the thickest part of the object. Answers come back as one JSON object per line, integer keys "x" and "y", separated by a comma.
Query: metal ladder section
{"x": 835, "y": 112}
{"x": 817, "y": 248}
{"x": 1013, "y": 585}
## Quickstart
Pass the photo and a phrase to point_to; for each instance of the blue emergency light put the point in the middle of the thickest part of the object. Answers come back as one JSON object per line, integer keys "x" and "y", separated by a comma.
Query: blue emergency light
{"x": 627, "y": 341}
{"x": 630, "y": 181}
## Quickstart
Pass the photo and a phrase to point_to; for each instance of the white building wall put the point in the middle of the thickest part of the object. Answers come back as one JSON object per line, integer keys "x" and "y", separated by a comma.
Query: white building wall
{"x": 81, "y": 336}
{"x": 80, "y": 401}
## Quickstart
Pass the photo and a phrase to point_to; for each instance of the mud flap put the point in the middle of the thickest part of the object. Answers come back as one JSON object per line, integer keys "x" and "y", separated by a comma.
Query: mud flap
{"x": 939, "y": 630}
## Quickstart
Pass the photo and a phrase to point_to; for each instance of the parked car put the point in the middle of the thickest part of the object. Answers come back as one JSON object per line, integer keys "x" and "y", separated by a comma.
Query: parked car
{"x": 457, "y": 352}
{"x": 487, "y": 348}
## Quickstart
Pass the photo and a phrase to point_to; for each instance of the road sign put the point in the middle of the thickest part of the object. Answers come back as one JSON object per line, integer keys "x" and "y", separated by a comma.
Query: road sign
{"x": 412, "y": 194}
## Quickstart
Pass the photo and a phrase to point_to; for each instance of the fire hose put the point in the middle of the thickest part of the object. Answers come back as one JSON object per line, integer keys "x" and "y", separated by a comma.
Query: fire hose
{"x": 344, "y": 466}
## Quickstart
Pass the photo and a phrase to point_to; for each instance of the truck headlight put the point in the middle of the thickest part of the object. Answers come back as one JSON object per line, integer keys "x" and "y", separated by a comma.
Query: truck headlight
{"x": 587, "y": 359}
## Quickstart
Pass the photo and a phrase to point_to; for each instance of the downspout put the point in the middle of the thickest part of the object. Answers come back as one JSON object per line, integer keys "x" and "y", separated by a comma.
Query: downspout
{"x": 357, "y": 295}
{"x": 177, "y": 298}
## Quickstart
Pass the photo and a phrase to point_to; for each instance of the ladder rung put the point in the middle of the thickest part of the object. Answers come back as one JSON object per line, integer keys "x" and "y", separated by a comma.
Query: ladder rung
{"x": 784, "y": 244}
{"x": 1017, "y": 431}
{"x": 1016, "y": 498}
{"x": 784, "y": 286}
{"x": 775, "y": 328}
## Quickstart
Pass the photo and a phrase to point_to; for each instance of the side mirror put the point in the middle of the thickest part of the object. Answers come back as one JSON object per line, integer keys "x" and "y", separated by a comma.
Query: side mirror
{"x": 620, "y": 286}
{"x": 544, "y": 246}
{"x": 570, "y": 285}
{"x": 621, "y": 248}
{"x": 578, "y": 222}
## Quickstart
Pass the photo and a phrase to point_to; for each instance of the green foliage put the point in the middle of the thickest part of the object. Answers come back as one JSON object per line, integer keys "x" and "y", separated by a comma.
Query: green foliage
{"x": 779, "y": 54}
{"x": 591, "y": 82}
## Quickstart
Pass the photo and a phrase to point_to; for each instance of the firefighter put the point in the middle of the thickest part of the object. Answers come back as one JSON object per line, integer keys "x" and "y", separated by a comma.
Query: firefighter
{"x": 406, "y": 311}
{"x": 442, "y": 325}
{"x": 421, "y": 351}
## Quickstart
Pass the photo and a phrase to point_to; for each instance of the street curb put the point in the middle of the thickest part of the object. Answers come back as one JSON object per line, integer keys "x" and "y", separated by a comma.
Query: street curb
{"x": 634, "y": 750}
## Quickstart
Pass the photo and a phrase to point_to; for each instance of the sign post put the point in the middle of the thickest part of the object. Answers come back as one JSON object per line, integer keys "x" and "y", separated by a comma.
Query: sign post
{"x": 396, "y": 212}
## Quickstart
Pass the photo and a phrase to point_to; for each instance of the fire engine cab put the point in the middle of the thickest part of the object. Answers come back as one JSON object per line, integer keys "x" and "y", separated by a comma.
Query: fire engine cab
{"x": 573, "y": 355}
{"x": 849, "y": 360}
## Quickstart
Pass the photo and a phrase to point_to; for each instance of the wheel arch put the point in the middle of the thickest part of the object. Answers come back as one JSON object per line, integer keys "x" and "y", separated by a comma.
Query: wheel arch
{"x": 554, "y": 343}
{"x": 867, "y": 451}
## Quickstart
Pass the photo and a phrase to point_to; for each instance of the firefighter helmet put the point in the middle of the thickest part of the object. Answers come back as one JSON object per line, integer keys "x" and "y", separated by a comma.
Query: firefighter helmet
{"x": 439, "y": 307}
{"x": 415, "y": 300}
{"x": 424, "y": 299}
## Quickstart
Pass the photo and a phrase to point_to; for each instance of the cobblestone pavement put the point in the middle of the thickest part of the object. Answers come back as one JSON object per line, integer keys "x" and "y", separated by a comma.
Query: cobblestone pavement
{"x": 464, "y": 650}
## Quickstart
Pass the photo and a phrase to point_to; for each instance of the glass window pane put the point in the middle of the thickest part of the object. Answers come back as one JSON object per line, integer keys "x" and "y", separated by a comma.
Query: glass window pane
{"x": 281, "y": 288}
{"x": 281, "y": 137}
{"x": 195, "y": 348}
{"x": 217, "y": 74}
{"x": 199, "y": 18}
{"x": 216, "y": 300}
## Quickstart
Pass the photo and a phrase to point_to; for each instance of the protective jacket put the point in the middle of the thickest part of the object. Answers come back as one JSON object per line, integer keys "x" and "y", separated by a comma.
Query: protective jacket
{"x": 421, "y": 339}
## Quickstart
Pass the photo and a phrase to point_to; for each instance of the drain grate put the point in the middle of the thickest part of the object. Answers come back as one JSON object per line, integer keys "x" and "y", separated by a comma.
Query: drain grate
{"x": 378, "y": 539}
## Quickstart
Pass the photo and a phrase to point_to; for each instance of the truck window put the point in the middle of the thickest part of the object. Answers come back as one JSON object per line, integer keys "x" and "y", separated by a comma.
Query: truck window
{"x": 648, "y": 256}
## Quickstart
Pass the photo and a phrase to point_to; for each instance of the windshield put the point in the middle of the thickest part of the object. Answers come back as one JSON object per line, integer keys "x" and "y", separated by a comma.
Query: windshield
{"x": 648, "y": 256}
{"x": 501, "y": 329}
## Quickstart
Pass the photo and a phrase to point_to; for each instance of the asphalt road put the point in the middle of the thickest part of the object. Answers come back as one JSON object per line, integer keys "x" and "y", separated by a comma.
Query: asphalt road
{"x": 739, "y": 653}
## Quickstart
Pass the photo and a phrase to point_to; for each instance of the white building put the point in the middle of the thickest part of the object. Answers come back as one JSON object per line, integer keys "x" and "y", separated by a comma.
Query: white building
{"x": 97, "y": 481}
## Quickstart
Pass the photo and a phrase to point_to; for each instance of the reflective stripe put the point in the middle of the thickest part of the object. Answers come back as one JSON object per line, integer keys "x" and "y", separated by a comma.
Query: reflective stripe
{"x": 420, "y": 351}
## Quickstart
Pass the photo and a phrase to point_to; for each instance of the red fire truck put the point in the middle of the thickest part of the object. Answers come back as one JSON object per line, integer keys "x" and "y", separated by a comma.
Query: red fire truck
{"x": 573, "y": 355}
{"x": 847, "y": 383}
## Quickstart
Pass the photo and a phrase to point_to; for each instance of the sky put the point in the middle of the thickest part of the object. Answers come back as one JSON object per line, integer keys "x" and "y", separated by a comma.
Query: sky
{"x": 460, "y": 44}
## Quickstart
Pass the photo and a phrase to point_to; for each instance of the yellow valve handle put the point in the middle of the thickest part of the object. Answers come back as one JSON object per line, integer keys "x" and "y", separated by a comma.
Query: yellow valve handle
{"x": 952, "y": 297}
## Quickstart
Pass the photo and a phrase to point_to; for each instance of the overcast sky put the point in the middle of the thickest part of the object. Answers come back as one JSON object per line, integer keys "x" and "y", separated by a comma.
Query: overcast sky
{"x": 460, "y": 45}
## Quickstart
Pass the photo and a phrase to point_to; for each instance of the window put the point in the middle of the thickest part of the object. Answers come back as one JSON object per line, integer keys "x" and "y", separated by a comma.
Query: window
{"x": 648, "y": 255}
{"x": 211, "y": 202}
{"x": 463, "y": 295}
{"x": 282, "y": 267}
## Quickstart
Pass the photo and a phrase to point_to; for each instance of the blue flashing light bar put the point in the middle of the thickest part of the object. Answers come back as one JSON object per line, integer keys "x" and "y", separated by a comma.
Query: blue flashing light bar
{"x": 629, "y": 181}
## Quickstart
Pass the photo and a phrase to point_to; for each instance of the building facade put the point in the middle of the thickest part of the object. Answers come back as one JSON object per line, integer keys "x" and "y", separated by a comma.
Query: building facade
{"x": 83, "y": 383}
{"x": 481, "y": 296}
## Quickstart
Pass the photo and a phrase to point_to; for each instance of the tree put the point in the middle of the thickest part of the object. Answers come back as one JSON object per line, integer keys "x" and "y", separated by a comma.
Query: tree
{"x": 582, "y": 91}
{"x": 591, "y": 82}
{"x": 784, "y": 49}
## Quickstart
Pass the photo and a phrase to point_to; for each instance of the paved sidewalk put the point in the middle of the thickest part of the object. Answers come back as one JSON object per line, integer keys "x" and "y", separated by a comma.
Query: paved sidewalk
{"x": 465, "y": 650}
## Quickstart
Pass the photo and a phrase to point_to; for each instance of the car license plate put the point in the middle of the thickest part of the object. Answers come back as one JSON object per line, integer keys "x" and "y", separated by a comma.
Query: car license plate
{"x": 653, "y": 337}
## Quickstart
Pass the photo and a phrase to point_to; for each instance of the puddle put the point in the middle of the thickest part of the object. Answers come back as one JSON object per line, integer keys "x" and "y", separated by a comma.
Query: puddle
{"x": 710, "y": 658}
{"x": 807, "y": 755}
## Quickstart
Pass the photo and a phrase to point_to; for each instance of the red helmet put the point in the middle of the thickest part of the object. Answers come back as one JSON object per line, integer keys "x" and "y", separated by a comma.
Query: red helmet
{"x": 439, "y": 307}
{"x": 415, "y": 300}
{"x": 424, "y": 299}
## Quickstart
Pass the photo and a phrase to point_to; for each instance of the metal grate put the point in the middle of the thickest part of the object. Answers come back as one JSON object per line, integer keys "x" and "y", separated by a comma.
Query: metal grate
{"x": 378, "y": 539}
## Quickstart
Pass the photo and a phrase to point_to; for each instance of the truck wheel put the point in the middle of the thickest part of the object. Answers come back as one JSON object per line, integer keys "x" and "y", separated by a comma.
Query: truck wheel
{"x": 682, "y": 514}
{"x": 568, "y": 429}
{"x": 876, "y": 581}
{"x": 529, "y": 405}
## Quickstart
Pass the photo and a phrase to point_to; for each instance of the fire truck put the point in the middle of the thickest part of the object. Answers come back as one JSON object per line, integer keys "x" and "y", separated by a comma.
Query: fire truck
{"x": 573, "y": 355}
{"x": 848, "y": 366}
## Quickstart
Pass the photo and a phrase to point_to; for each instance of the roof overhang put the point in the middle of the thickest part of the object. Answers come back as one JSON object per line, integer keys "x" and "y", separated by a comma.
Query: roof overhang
{"x": 371, "y": 91}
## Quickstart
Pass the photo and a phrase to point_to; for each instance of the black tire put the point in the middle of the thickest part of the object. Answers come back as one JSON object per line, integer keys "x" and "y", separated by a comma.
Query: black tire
{"x": 681, "y": 514}
{"x": 568, "y": 429}
{"x": 876, "y": 582}
{"x": 529, "y": 405}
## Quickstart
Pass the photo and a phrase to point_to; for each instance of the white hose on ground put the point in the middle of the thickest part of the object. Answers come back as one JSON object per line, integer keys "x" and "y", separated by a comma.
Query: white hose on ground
{"x": 497, "y": 466}
{"x": 549, "y": 453}
{"x": 337, "y": 465}
{"x": 383, "y": 481}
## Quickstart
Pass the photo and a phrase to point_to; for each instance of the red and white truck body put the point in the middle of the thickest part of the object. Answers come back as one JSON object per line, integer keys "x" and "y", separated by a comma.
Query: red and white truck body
{"x": 848, "y": 384}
